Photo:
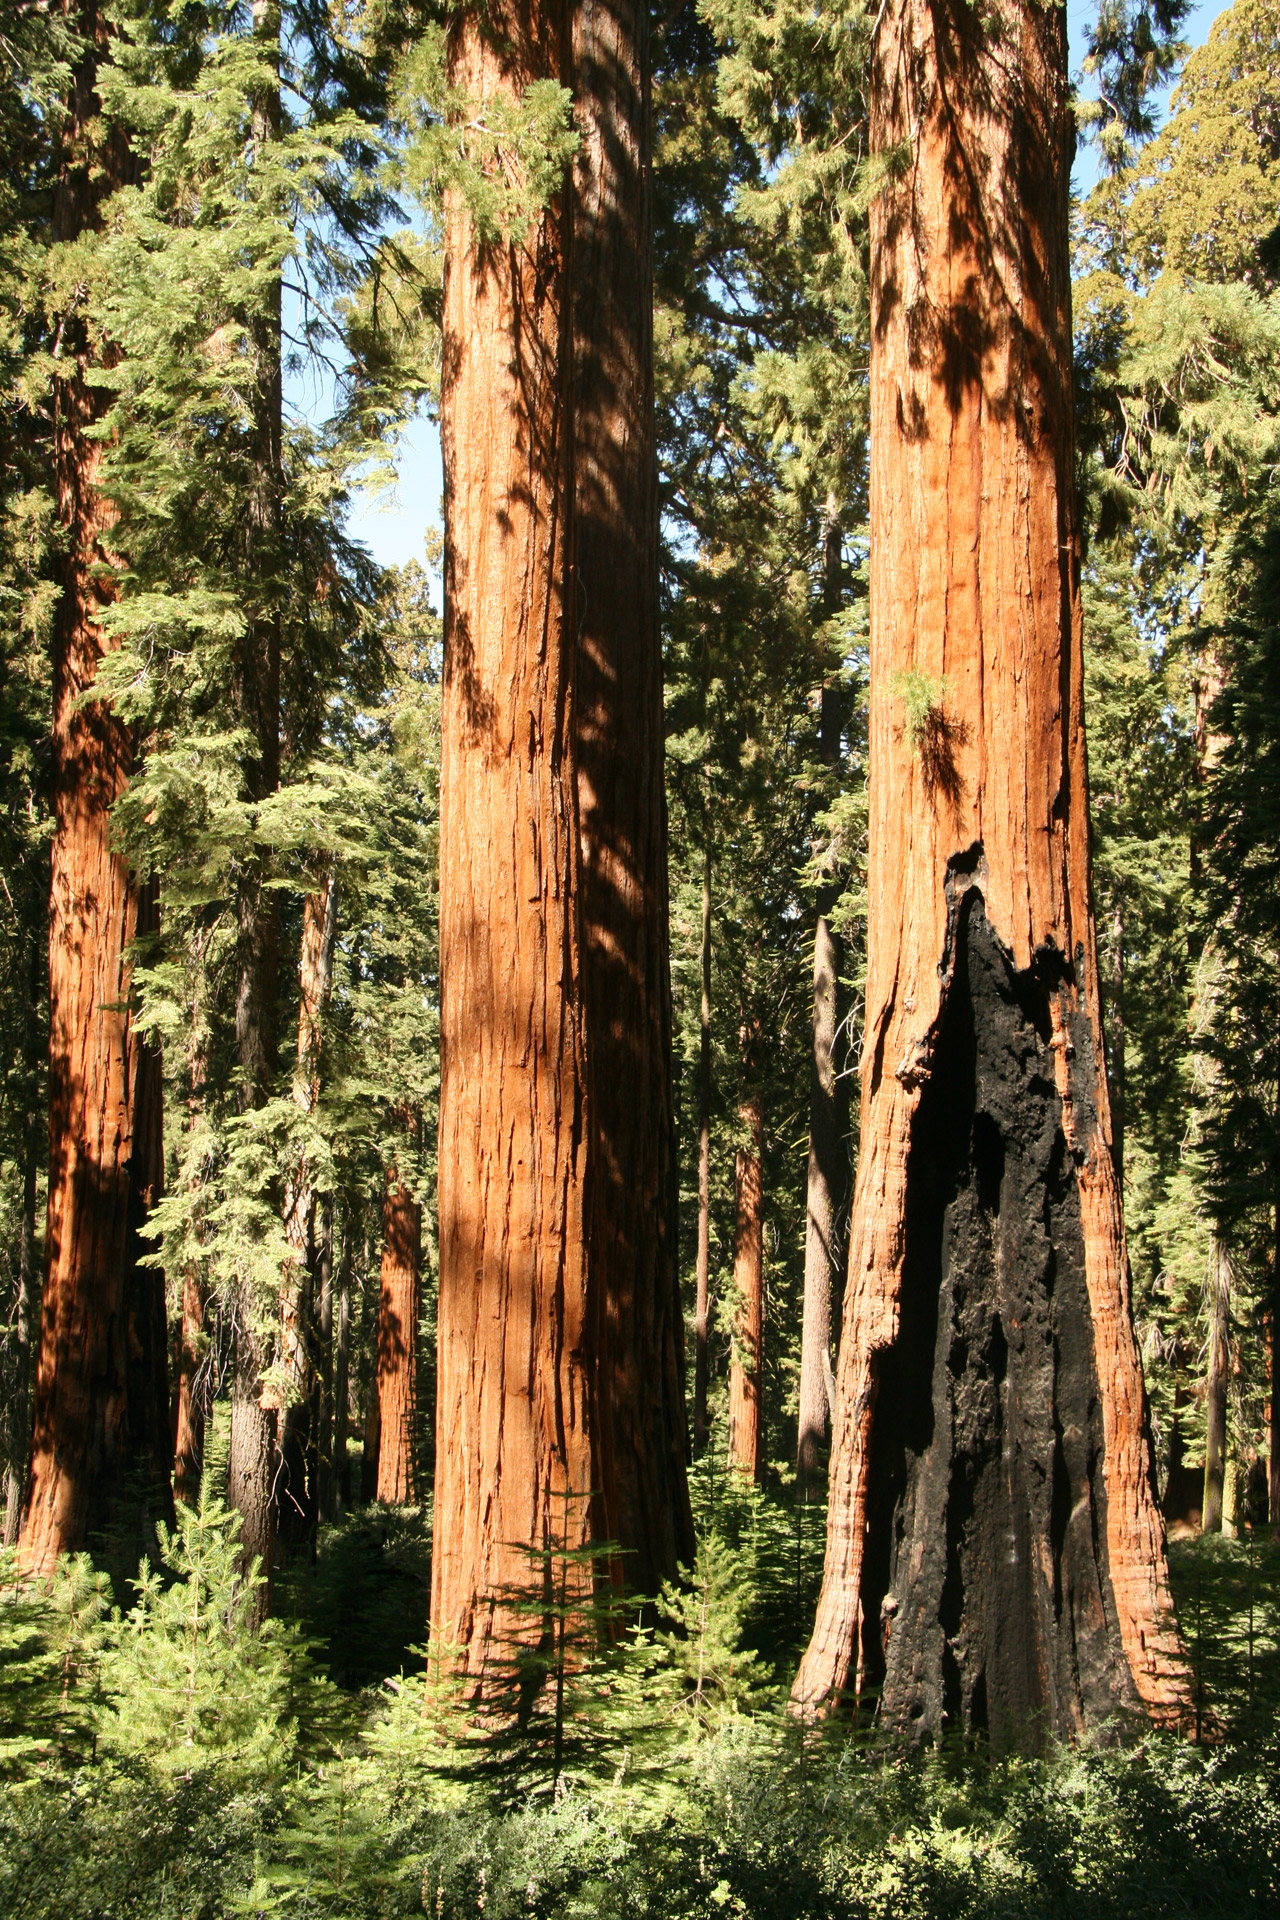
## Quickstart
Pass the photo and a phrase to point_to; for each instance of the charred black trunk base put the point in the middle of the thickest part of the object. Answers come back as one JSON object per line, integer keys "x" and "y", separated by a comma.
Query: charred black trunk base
{"x": 986, "y": 1602}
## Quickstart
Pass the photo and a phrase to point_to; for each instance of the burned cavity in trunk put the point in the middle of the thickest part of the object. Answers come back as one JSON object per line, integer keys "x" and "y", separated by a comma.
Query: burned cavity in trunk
{"x": 986, "y": 1602}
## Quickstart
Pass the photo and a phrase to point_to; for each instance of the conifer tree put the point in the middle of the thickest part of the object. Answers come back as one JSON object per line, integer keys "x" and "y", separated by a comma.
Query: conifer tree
{"x": 982, "y": 995}
{"x": 101, "y": 1418}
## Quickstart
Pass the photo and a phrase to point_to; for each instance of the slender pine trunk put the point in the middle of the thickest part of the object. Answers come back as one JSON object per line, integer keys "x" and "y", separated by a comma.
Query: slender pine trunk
{"x": 253, "y": 1423}
{"x": 1216, "y": 1377}
{"x": 702, "y": 1311}
{"x": 827, "y": 1174}
{"x": 18, "y": 1416}
{"x": 746, "y": 1377}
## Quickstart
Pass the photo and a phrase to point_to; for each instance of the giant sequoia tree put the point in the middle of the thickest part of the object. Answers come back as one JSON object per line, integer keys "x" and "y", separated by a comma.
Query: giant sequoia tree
{"x": 995, "y": 1557}
{"x": 518, "y": 1422}
{"x": 100, "y": 1398}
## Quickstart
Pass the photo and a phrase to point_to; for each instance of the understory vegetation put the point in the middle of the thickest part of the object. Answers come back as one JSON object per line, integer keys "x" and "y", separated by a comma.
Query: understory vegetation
{"x": 163, "y": 1759}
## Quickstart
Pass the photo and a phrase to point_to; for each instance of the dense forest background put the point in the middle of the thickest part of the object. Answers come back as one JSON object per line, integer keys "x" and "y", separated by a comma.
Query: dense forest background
{"x": 261, "y": 206}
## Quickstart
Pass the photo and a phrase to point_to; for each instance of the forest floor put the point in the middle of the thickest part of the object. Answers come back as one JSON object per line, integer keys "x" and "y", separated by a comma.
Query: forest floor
{"x": 164, "y": 1762}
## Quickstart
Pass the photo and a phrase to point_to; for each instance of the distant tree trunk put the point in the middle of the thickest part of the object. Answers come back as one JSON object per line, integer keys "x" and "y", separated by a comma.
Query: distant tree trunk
{"x": 995, "y": 1556}
{"x": 97, "y": 1450}
{"x": 702, "y": 1319}
{"x": 322, "y": 1392}
{"x": 188, "y": 1449}
{"x": 519, "y": 1432}
{"x": 340, "y": 1497}
{"x": 398, "y": 1342}
{"x": 1215, "y": 1444}
{"x": 19, "y": 1415}
{"x": 745, "y": 1369}
{"x": 295, "y": 1500}
{"x": 827, "y": 1176}
{"x": 626, "y": 986}
{"x": 253, "y": 1424}
{"x": 189, "y": 1416}
{"x": 371, "y": 1449}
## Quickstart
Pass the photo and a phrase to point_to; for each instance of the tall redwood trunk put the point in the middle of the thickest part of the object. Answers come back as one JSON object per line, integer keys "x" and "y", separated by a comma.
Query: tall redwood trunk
{"x": 398, "y": 1341}
{"x": 827, "y": 1174}
{"x": 995, "y": 1557}
{"x": 1216, "y": 1377}
{"x": 745, "y": 1368}
{"x": 702, "y": 1306}
{"x": 99, "y": 1446}
{"x": 518, "y": 1429}
{"x": 621, "y": 798}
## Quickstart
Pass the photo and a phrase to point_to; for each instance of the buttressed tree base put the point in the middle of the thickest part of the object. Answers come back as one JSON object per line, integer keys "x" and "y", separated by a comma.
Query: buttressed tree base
{"x": 995, "y": 1557}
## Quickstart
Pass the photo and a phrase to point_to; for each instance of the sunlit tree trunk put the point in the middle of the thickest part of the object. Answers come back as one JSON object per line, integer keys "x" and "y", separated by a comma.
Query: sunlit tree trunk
{"x": 97, "y": 1442}
{"x": 746, "y": 1365}
{"x": 518, "y": 1432}
{"x": 398, "y": 1342}
{"x": 995, "y": 1557}
{"x": 621, "y": 798}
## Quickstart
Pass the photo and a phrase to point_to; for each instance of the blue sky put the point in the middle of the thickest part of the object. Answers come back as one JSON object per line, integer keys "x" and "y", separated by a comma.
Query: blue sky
{"x": 394, "y": 523}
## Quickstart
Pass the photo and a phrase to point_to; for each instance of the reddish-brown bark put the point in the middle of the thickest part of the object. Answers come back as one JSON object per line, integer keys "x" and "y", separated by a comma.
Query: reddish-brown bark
{"x": 98, "y": 1437}
{"x": 621, "y": 800}
{"x": 702, "y": 1301}
{"x": 398, "y": 1341}
{"x": 745, "y": 1367}
{"x": 188, "y": 1441}
{"x": 982, "y": 991}
{"x": 518, "y": 1431}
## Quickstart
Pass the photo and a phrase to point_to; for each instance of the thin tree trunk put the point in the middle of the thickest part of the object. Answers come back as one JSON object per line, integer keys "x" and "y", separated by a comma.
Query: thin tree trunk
{"x": 746, "y": 1366}
{"x": 518, "y": 1428}
{"x": 295, "y": 1500}
{"x": 827, "y": 1175}
{"x": 702, "y": 1319}
{"x": 322, "y": 1393}
{"x": 995, "y": 1556}
{"x": 251, "y": 1471}
{"x": 253, "y": 1423}
{"x": 1215, "y": 1444}
{"x": 371, "y": 1449}
{"x": 340, "y": 1498}
{"x": 626, "y": 985}
{"x": 188, "y": 1448}
{"x": 19, "y": 1415}
{"x": 398, "y": 1342}
{"x": 99, "y": 1456}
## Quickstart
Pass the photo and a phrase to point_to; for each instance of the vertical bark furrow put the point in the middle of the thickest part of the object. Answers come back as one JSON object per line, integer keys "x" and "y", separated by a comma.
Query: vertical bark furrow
{"x": 621, "y": 800}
